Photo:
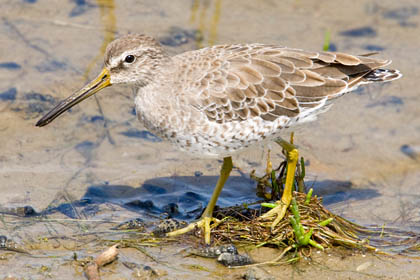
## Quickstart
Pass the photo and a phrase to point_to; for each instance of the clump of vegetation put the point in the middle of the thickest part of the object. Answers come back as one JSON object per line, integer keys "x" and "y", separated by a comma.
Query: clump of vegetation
{"x": 307, "y": 224}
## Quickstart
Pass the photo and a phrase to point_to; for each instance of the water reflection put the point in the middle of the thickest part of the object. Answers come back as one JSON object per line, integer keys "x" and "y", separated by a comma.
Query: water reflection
{"x": 207, "y": 27}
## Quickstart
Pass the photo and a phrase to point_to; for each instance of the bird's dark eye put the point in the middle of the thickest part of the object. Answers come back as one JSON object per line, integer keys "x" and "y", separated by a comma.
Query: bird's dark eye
{"x": 129, "y": 58}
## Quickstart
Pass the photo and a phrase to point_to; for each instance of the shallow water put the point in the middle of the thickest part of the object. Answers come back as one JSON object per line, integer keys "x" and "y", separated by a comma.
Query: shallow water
{"x": 364, "y": 154}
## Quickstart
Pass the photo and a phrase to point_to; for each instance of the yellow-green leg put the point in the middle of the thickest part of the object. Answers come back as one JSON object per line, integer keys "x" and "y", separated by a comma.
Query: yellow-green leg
{"x": 292, "y": 155}
{"x": 269, "y": 166}
{"x": 207, "y": 216}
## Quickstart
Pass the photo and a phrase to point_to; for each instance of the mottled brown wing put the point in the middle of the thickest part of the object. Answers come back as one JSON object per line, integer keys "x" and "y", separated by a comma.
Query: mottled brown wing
{"x": 246, "y": 81}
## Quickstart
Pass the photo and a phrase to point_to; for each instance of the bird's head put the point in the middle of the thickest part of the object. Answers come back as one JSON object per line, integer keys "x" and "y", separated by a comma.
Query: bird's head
{"x": 130, "y": 59}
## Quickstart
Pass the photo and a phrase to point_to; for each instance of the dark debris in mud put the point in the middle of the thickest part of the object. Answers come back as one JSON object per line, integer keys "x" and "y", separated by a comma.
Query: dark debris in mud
{"x": 215, "y": 251}
{"x": 137, "y": 224}
{"x": 7, "y": 244}
{"x": 227, "y": 255}
{"x": 166, "y": 226}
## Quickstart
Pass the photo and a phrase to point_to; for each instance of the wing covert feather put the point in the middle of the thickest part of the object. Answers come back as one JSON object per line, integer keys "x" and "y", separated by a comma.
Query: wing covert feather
{"x": 265, "y": 81}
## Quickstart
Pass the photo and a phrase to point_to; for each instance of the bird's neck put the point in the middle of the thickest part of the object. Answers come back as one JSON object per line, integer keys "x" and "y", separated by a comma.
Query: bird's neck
{"x": 161, "y": 67}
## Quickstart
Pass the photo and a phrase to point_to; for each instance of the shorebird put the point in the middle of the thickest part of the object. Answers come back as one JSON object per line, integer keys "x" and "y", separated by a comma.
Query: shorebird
{"x": 218, "y": 100}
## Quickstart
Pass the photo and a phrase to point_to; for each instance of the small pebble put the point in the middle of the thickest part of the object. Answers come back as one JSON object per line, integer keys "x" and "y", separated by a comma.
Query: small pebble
{"x": 10, "y": 245}
{"x": 214, "y": 252}
{"x": 136, "y": 223}
{"x": 3, "y": 241}
{"x": 256, "y": 273}
{"x": 225, "y": 254}
{"x": 229, "y": 260}
{"x": 168, "y": 225}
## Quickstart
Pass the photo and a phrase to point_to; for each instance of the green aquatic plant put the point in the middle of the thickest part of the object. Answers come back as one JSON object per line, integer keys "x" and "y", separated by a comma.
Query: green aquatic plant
{"x": 327, "y": 37}
{"x": 308, "y": 196}
{"x": 302, "y": 238}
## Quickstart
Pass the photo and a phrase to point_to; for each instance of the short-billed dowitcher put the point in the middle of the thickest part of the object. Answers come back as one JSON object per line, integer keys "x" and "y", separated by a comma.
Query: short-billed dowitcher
{"x": 218, "y": 100}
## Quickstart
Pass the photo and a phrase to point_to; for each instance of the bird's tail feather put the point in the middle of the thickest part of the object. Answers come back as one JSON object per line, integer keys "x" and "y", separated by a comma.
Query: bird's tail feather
{"x": 382, "y": 75}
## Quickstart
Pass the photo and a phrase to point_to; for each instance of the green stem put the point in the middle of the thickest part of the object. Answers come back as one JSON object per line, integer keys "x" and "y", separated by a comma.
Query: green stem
{"x": 268, "y": 205}
{"x": 309, "y": 196}
{"x": 325, "y": 222}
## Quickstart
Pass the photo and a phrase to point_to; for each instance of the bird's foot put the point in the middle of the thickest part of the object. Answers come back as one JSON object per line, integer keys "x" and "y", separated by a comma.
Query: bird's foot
{"x": 269, "y": 164}
{"x": 279, "y": 211}
{"x": 203, "y": 224}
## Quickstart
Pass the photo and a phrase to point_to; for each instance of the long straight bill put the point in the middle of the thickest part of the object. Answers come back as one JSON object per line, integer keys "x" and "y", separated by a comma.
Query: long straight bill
{"x": 102, "y": 81}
